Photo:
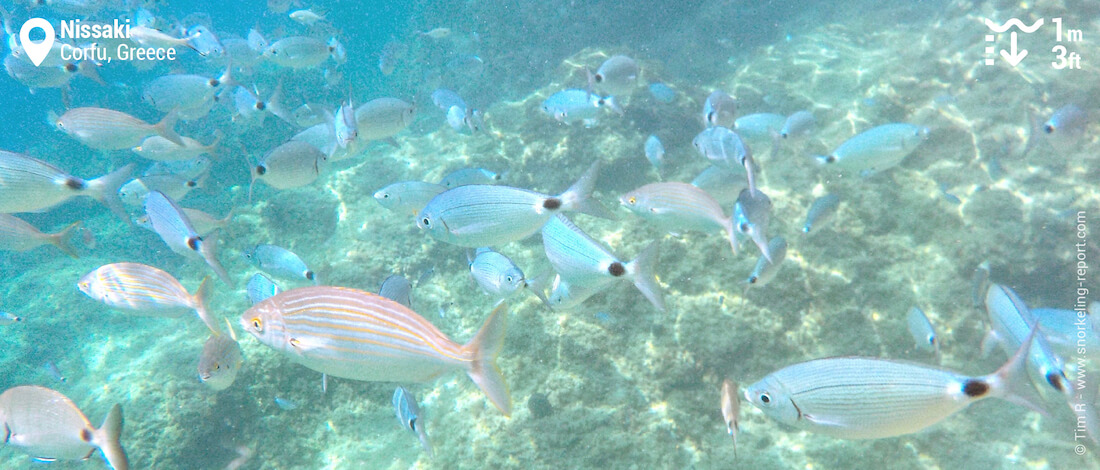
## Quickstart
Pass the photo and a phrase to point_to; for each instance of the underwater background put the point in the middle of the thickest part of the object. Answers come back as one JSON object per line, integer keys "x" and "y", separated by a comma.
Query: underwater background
{"x": 612, "y": 383}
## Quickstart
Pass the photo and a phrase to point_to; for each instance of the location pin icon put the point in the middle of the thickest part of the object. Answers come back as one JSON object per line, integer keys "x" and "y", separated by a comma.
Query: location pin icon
{"x": 36, "y": 51}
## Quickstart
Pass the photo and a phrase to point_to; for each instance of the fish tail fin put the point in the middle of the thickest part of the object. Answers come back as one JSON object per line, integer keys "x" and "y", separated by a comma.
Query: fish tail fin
{"x": 212, "y": 149}
{"x": 642, "y": 272}
{"x": 199, "y": 301}
{"x": 424, "y": 442}
{"x": 107, "y": 439}
{"x": 732, "y": 233}
{"x": 209, "y": 251}
{"x": 613, "y": 105}
{"x": 275, "y": 105}
{"x": 167, "y": 127}
{"x": 63, "y": 240}
{"x": 88, "y": 69}
{"x": 750, "y": 173}
{"x": 579, "y": 196}
{"x": 105, "y": 189}
{"x": 1010, "y": 382}
{"x": 483, "y": 369}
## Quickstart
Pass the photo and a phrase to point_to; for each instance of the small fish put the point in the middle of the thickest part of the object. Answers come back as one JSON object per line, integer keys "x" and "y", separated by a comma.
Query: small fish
{"x": 173, "y": 226}
{"x": 7, "y": 318}
{"x": 583, "y": 261}
{"x": 618, "y": 75}
{"x": 876, "y": 149}
{"x": 205, "y": 42}
{"x": 446, "y": 99}
{"x": 159, "y": 148}
{"x": 720, "y": 109}
{"x": 948, "y": 196}
{"x": 280, "y": 262}
{"x": 760, "y": 126}
{"x": 133, "y": 193}
{"x": 662, "y": 93}
{"x": 1069, "y": 120}
{"x": 467, "y": 176}
{"x": 871, "y": 398}
{"x": 18, "y": 235}
{"x": 383, "y": 118}
{"x": 677, "y": 207}
{"x": 107, "y": 129}
{"x": 1011, "y": 322}
{"x": 291, "y": 165}
{"x": 924, "y": 335}
{"x": 220, "y": 361}
{"x": 48, "y": 426}
{"x": 766, "y": 269}
{"x": 655, "y": 152}
{"x": 723, "y": 184}
{"x": 150, "y": 37}
{"x": 286, "y": 404}
{"x": 725, "y": 148}
{"x": 260, "y": 288}
{"x": 1061, "y": 327}
{"x": 28, "y": 184}
{"x": 307, "y": 17}
{"x": 408, "y": 196}
{"x": 397, "y": 288}
{"x": 751, "y": 216}
{"x": 731, "y": 409}
{"x": 408, "y": 414}
{"x": 437, "y": 33}
{"x": 797, "y": 125}
{"x": 979, "y": 284}
{"x": 564, "y": 295}
{"x": 298, "y": 52}
{"x": 821, "y": 213}
{"x": 147, "y": 291}
{"x": 345, "y": 125}
{"x": 495, "y": 273}
{"x": 184, "y": 91}
{"x": 574, "y": 105}
{"x": 340, "y": 56}
{"x": 358, "y": 335}
{"x": 487, "y": 215}
{"x": 54, "y": 372}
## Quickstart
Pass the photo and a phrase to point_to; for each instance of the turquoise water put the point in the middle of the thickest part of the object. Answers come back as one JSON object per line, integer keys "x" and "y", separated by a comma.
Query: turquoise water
{"x": 628, "y": 386}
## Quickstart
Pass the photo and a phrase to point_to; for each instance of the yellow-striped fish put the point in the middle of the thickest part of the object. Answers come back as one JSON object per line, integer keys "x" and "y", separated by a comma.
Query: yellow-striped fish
{"x": 147, "y": 291}
{"x": 28, "y": 184}
{"x": 18, "y": 235}
{"x": 358, "y": 335}
{"x": 107, "y": 129}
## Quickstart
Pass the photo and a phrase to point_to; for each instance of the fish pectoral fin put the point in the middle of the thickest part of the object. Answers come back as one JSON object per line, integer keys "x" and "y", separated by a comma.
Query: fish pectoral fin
{"x": 473, "y": 228}
{"x": 824, "y": 422}
{"x": 304, "y": 346}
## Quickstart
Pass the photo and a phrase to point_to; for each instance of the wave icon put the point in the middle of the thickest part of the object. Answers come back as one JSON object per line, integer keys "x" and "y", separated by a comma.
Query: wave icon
{"x": 1013, "y": 22}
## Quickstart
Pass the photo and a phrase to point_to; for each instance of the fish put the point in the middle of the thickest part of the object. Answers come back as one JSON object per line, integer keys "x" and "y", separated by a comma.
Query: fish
{"x": 655, "y": 151}
{"x": 54, "y": 372}
{"x": 724, "y": 148}
{"x": 173, "y": 226}
{"x": 1061, "y": 327}
{"x": 871, "y": 398}
{"x": 575, "y": 105}
{"x": 298, "y": 52}
{"x": 924, "y": 335}
{"x": 150, "y": 37}
{"x": 731, "y": 409}
{"x": 47, "y": 425}
{"x": 495, "y": 273}
{"x": 260, "y": 288}
{"x": 765, "y": 269}
{"x": 196, "y": 168}
{"x": 383, "y": 118}
{"x": 487, "y": 215}
{"x": 723, "y": 184}
{"x": 205, "y": 42}
{"x": 581, "y": 260}
{"x": 799, "y": 124}
{"x": 146, "y": 290}
{"x": 564, "y": 295}
{"x": 437, "y": 33}
{"x": 184, "y": 91}
{"x": 821, "y": 213}
{"x": 1011, "y": 321}
{"x": 876, "y": 149}
{"x": 1069, "y": 120}
{"x": 291, "y": 165}
{"x": 50, "y": 76}
{"x": 174, "y": 186}
{"x": 280, "y": 262}
{"x": 220, "y": 361}
{"x": 8, "y": 318}
{"x": 446, "y": 99}
{"x": 719, "y": 110}
{"x": 159, "y": 148}
{"x": 408, "y": 414}
{"x": 618, "y": 75}
{"x": 286, "y": 404}
{"x": 28, "y": 184}
{"x": 751, "y": 216}
{"x": 307, "y": 17}
{"x": 345, "y": 126}
{"x": 979, "y": 284}
{"x": 107, "y": 129}
{"x": 408, "y": 196}
{"x": 661, "y": 92}
{"x": 466, "y": 176}
{"x": 18, "y": 235}
{"x": 397, "y": 288}
{"x": 358, "y": 335}
{"x": 760, "y": 128}
{"x": 677, "y": 207}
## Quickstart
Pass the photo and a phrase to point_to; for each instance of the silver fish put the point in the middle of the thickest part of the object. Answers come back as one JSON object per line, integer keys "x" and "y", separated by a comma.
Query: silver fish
{"x": 1011, "y": 322}
{"x": 723, "y": 184}
{"x": 870, "y": 398}
{"x": 487, "y": 215}
{"x": 876, "y": 149}
{"x": 54, "y": 372}
{"x": 48, "y": 426}
{"x": 446, "y": 99}
{"x": 146, "y": 290}
{"x": 183, "y": 91}
{"x": 408, "y": 414}
{"x": 286, "y": 404}
{"x": 7, "y": 318}
{"x": 150, "y": 37}
{"x": 618, "y": 75}
{"x": 408, "y": 196}
{"x": 173, "y": 226}
{"x": 260, "y": 288}
{"x": 924, "y": 335}
{"x": 731, "y": 409}
{"x": 383, "y": 118}
{"x": 677, "y": 207}
{"x": 396, "y": 288}
{"x": 467, "y": 176}
{"x": 1069, "y": 119}
{"x": 821, "y": 212}
{"x": 720, "y": 109}
{"x": 798, "y": 125}
{"x": 220, "y": 361}
{"x": 766, "y": 269}
{"x": 291, "y": 165}
{"x": 133, "y": 193}
{"x": 107, "y": 129}
{"x": 205, "y": 42}
{"x": 575, "y": 105}
{"x": 564, "y": 295}
{"x": 751, "y": 216}
{"x": 655, "y": 152}
{"x": 581, "y": 260}
{"x": 298, "y": 52}
{"x": 158, "y": 148}
{"x": 496, "y": 273}
{"x": 28, "y": 184}
{"x": 280, "y": 262}
{"x": 18, "y": 235}
{"x": 723, "y": 147}
{"x": 345, "y": 126}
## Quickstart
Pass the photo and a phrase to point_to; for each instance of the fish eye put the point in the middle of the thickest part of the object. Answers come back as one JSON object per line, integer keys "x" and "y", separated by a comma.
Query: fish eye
{"x": 830, "y": 159}
{"x": 385, "y": 195}
{"x": 765, "y": 398}
{"x": 508, "y": 279}
{"x": 743, "y": 227}
{"x": 70, "y": 67}
{"x": 261, "y": 170}
{"x": 214, "y": 83}
{"x": 1049, "y": 129}
{"x": 426, "y": 221}
{"x": 599, "y": 78}
{"x": 258, "y": 324}
{"x": 631, "y": 200}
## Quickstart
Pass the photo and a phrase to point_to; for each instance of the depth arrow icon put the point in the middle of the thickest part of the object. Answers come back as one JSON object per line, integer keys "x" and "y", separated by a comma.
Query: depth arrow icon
{"x": 1014, "y": 58}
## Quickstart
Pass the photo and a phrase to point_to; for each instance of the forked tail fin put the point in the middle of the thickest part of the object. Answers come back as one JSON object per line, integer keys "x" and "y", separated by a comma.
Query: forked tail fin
{"x": 483, "y": 369}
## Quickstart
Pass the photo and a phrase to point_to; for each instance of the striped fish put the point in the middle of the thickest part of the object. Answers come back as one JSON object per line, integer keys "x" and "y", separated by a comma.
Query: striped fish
{"x": 146, "y": 290}
{"x": 173, "y": 226}
{"x": 583, "y": 261}
{"x": 107, "y": 129}
{"x": 358, "y": 335}
{"x": 18, "y": 235}
{"x": 28, "y": 184}
{"x": 485, "y": 215}
{"x": 677, "y": 207}
{"x": 870, "y": 398}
